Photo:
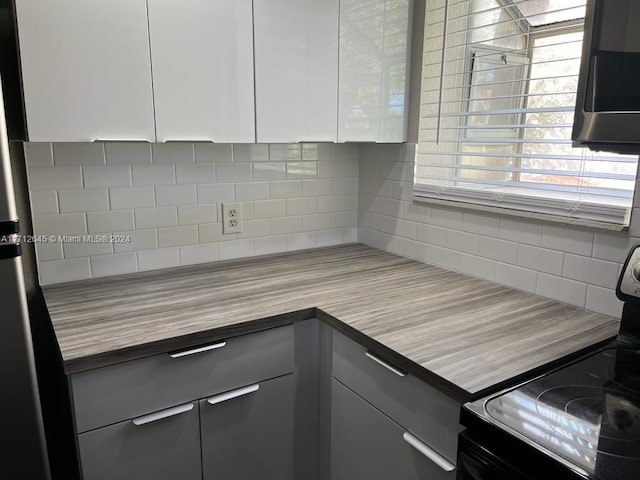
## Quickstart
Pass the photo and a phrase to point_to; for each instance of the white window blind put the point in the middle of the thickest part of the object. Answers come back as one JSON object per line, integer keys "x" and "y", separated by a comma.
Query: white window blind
{"x": 498, "y": 98}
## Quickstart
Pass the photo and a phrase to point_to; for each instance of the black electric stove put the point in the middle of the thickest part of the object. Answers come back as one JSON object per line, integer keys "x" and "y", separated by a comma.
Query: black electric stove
{"x": 580, "y": 421}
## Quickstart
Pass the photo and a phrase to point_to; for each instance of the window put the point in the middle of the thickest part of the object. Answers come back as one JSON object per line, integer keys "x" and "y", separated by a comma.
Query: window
{"x": 498, "y": 98}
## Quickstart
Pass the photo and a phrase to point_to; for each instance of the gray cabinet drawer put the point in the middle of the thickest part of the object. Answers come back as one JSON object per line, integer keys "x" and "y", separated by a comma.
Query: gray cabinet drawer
{"x": 367, "y": 445}
{"x": 164, "y": 448}
{"x": 248, "y": 433}
{"x": 111, "y": 394}
{"x": 420, "y": 408}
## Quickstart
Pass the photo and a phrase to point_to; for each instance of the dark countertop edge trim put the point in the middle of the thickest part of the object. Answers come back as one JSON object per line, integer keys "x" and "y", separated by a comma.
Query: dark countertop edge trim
{"x": 136, "y": 352}
{"x": 397, "y": 359}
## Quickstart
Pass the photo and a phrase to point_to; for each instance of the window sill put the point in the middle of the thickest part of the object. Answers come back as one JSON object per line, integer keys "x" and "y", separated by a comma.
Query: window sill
{"x": 578, "y": 222}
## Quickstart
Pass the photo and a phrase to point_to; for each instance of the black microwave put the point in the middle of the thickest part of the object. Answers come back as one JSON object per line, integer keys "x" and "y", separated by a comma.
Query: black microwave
{"x": 607, "y": 113}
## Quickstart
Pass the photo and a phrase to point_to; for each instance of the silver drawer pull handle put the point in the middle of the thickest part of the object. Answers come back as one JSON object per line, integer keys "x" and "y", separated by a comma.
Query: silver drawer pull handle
{"x": 223, "y": 397}
{"x": 197, "y": 350}
{"x": 385, "y": 365}
{"x": 431, "y": 454}
{"x": 111, "y": 140}
{"x": 153, "y": 417}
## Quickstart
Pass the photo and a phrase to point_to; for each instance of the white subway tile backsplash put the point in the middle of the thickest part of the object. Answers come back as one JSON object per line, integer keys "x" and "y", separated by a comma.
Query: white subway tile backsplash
{"x": 213, "y": 152}
{"x": 236, "y": 249}
{"x": 67, "y": 154}
{"x": 284, "y": 225}
{"x": 83, "y": 200}
{"x": 156, "y": 217}
{"x": 516, "y": 277}
{"x": 562, "y": 289}
{"x": 443, "y": 257}
{"x": 283, "y": 151}
{"x": 611, "y": 246}
{"x": 216, "y": 193}
{"x": 540, "y": 259}
{"x": 38, "y": 154}
{"x": 233, "y": 172}
{"x": 301, "y": 206}
{"x": 248, "y": 191}
{"x": 61, "y": 271}
{"x": 172, "y": 153}
{"x": 478, "y": 266}
{"x": 86, "y": 249}
{"x": 138, "y": 240}
{"x": 480, "y": 224}
{"x": 166, "y": 198}
{"x": 316, "y": 187}
{"x": 521, "y": 232}
{"x": 461, "y": 241}
{"x": 132, "y": 197}
{"x": 255, "y": 228}
{"x": 496, "y": 249}
{"x": 60, "y": 224}
{"x": 269, "y": 171}
{"x": 345, "y": 151}
{"x": 153, "y": 174}
{"x": 316, "y": 221}
{"x": 168, "y": 195}
{"x": 196, "y": 214}
{"x": 202, "y": 253}
{"x": 301, "y": 241}
{"x": 416, "y": 250}
{"x": 192, "y": 174}
{"x": 317, "y": 151}
{"x": 49, "y": 251}
{"x": 158, "y": 258}
{"x": 604, "y": 301}
{"x": 268, "y": 245}
{"x": 591, "y": 270}
{"x": 44, "y": 202}
{"x": 118, "y": 264}
{"x": 269, "y": 208}
{"x": 128, "y": 153}
{"x": 431, "y": 234}
{"x": 250, "y": 153}
{"x": 567, "y": 239}
{"x": 326, "y": 238}
{"x": 54, "y": 178}
{"x": 212, "y": 232}
{"x": 108, "y": 176}
{"x": 112, "y": 221}
{"x": 350, "y": 219}
{"x": 286, "y": 189}
{"x": 177, "y": 236}
{"x": 301, "y": 170}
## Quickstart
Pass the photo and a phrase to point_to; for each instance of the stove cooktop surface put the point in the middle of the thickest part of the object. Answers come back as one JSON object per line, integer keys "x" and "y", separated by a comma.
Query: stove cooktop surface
{"x": 586, "y": 415}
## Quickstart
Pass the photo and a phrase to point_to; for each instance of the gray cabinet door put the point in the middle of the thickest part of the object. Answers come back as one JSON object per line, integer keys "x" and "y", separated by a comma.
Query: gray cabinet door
{"x": 248, "y": 434}
{"x": 367, "y": 445}
{"x": 161, "y": 446}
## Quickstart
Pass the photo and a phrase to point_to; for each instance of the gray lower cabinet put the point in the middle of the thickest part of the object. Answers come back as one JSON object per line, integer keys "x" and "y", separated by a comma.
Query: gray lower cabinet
{"x": 368, "y": 445}
{"x": 248, "y": 433}
{"x": 161, "y": 446}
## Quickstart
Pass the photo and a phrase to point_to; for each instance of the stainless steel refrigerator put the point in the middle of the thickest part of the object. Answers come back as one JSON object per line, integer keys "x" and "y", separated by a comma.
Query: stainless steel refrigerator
{"x": 23, "y": 453}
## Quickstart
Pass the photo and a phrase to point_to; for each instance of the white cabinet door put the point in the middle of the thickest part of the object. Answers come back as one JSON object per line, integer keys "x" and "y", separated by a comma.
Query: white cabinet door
{"x": 296, "y": 58}
{"x": 202, "y": 57}
{"x": 375, "y": 41}
{"x": 86, "y": 69}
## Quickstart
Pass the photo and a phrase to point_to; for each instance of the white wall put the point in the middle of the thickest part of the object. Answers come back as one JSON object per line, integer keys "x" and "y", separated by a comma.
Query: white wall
{"x": 167, "y": 198}
{"x": 573, "y": 265}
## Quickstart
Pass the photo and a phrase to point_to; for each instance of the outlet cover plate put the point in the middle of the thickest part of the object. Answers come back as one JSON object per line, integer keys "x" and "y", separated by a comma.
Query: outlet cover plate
{"x": 231, "y": 218}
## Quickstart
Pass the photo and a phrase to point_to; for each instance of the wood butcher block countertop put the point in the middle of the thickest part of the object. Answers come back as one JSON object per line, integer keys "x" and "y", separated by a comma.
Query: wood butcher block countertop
{"x": 464, "y": 334}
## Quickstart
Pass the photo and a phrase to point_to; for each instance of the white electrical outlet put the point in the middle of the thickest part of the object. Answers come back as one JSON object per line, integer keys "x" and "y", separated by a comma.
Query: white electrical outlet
{"x": 231, "y": 218}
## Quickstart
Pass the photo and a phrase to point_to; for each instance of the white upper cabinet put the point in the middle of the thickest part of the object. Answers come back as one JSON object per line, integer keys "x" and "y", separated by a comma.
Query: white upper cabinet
{"x": 296, "y": 61}
{"x": 202, "y": 57}
{"x": 86, "y": 69}
{"x": 375, "y": 43}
